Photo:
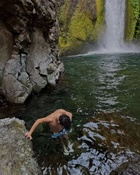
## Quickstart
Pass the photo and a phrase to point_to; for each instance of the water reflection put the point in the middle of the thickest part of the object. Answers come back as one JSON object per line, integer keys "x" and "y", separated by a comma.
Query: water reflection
{"x": 103, "y": 145}
{"x": 108, "y": 143}
{"x": 109, "y": 81}
{"x": 104, "y": 83}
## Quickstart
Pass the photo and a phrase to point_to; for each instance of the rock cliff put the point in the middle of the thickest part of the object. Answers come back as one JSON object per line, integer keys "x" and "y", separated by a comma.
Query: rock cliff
{"x": 81, "y": 24}
{"x": 16, "y": 155}
{"x": 29, "y": 60}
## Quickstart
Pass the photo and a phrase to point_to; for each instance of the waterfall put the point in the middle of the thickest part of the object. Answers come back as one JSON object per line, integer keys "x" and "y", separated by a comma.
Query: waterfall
{"x": 115, "y": 20}
{"x": 113, "y": 38}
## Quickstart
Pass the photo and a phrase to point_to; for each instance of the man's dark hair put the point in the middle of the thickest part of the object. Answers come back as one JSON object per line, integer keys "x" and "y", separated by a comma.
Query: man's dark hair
{"x": 65, "y": 121}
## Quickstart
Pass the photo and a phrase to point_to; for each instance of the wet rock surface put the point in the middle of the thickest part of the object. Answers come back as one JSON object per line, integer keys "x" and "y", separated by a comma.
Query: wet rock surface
{"x": 16, "y": 154}
{"x": 29, "y": 58}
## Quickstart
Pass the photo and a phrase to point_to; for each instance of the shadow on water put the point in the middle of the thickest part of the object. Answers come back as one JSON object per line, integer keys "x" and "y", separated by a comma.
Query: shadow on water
{"x": 102, "y": 92}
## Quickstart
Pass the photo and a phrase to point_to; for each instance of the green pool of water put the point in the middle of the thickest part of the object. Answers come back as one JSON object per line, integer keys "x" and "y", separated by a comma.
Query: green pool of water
{"x": 103, "y": 93}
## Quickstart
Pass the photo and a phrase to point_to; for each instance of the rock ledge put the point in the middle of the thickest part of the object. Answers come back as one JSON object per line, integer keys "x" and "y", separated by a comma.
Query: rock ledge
{"x": 16, "y": 154}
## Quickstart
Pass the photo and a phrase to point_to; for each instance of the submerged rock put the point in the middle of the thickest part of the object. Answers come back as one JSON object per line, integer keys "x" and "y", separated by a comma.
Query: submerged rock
{"x": 29, "y": 33}
{"x": 16, "y": 154}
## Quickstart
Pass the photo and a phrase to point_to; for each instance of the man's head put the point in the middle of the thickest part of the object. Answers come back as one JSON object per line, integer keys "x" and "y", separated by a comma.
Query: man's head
{"x": 65, "y": 121}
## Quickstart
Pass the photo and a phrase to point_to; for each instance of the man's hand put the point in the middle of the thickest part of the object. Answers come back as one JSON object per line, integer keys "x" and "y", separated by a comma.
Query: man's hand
{"x": 28, "y": 136}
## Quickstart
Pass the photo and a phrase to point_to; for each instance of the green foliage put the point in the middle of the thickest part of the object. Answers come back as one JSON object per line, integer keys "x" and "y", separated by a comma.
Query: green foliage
{"x": 66, "y": 11}
{"x": 100, "y": 20}
{"x": 133, "y": 13}
{"x": 81, "y": 26}
{"x": 80, "y": 23}
{"x": 67, "y": 43}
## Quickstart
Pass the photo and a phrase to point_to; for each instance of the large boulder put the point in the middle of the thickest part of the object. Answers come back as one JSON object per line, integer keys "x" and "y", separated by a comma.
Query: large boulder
{"x": 16, "y": 154}
{"x": 29, "y": 58}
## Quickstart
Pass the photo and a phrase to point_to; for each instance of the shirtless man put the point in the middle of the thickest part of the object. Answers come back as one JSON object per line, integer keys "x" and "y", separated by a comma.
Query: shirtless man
{"x": 59, "y": 123}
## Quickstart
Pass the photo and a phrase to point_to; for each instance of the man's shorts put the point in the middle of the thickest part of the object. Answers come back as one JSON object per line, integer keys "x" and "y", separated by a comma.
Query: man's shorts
{"x": 64, "y": 131}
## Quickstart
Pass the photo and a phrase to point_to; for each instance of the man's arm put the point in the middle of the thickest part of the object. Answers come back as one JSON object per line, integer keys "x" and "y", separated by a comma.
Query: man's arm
{"x": 38, "y": 121}
{"x": 69, "y": 114}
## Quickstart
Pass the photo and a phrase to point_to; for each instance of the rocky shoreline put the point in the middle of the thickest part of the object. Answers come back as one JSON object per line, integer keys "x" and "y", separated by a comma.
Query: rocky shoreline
{"x": 16, "y": 154}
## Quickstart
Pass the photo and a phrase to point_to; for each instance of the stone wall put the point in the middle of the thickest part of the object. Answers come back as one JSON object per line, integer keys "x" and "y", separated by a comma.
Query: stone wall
{"x": 29, "y": 58}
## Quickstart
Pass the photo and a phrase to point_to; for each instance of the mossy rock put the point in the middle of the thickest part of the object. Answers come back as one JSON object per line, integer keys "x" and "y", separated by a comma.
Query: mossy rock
{"x": 81, "y": 24}
{"x": 132, "y": 20}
